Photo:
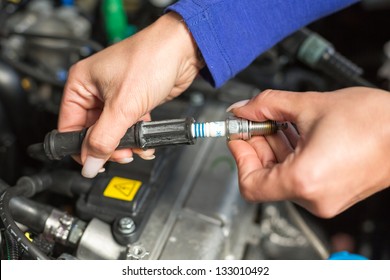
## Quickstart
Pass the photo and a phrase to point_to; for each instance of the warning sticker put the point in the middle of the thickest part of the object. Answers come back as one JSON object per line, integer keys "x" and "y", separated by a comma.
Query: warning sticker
{"x": 122, "y": 188}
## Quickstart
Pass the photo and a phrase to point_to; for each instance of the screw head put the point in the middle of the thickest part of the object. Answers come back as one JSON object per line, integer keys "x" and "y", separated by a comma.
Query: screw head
{"x": 126, "y": 225}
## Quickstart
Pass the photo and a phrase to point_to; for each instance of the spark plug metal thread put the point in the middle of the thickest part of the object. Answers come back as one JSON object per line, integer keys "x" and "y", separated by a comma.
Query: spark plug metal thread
{"x": 265, "y": 128}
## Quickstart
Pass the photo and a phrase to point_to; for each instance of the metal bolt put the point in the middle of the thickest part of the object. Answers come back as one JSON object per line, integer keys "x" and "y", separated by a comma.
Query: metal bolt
{"x": 66, "y": 220}
{"x": 237, "y": 129}
{"x": 76, "y": 232}
{"x": 126, "y": 225}
{"x": 136, "y": 252}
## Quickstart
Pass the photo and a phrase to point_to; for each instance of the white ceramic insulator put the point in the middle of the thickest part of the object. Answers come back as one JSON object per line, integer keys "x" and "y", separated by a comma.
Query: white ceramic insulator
{"x": 208, "y": 129}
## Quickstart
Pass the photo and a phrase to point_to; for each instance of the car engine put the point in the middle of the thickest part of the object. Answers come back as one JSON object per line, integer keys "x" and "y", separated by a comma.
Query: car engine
{"x": 185, "y": 204}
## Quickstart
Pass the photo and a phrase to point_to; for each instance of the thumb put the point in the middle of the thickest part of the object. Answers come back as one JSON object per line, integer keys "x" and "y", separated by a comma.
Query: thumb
{"x": 102, "y": 139}
{"x": 276, "y": 105}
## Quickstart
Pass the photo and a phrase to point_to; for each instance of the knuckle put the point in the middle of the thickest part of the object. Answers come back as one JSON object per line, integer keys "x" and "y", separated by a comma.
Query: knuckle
{"x": 307, "y": 186}
{"x": 100, "y": 147}
{"x": 325, "y": 212}
{"x": 247, "y": 194}
{"x": 75, "y": 68}
{"x": 304, "y": 183}
{"x": 267, "y": 93}
{"x": 247, "y": 190}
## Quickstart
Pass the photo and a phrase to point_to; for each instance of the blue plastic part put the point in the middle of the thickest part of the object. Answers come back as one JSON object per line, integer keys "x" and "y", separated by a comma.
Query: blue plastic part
{"x": 67, "y": 3}
{"x": 62, "y": 75}
{"x": 344, "y": 255}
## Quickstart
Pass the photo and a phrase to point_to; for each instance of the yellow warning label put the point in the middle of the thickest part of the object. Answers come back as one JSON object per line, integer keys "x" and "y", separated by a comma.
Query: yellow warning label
{"x": 122, "y": 188}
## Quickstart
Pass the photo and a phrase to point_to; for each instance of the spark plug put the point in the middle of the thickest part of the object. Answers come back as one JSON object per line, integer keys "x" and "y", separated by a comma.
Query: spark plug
{"x": 155, "y": 134}
{"x": 235, "y": 128}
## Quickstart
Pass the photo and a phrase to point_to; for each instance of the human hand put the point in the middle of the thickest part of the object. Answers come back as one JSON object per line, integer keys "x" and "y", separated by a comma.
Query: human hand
{"x": 120, "y": 85}
{"x": 339, "y": 157}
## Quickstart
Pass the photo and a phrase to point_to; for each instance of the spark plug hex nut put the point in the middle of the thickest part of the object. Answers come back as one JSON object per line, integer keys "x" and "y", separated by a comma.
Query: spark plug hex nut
{"x": 237, "y": 128}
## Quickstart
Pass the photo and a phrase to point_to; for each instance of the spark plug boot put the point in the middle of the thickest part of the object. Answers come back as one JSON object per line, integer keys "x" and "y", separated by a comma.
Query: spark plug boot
{"x": 142, "y": 135}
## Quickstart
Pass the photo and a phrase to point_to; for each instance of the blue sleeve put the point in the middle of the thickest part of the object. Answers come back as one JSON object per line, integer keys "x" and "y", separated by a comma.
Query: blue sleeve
{"x": 232, "y": 33}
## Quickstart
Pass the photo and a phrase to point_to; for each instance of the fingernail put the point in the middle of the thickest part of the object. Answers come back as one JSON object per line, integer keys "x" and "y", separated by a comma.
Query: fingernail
{"x": 147, "y": 157}
{"x": 101, "y": 170}
{"x": 237, "y": 105}
{"x": 147, "y": 154}
{"x": 92, "y": 166}
{"x": 125, "y": 160}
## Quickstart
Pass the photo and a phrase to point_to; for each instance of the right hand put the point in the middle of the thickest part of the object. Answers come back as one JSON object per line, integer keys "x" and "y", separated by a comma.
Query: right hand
{"x": 115, "y": 88}
{"x": 340, "y": 156}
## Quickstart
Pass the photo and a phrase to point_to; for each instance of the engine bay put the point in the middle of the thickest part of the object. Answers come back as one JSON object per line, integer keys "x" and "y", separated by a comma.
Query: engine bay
{"x": 185, "y": 204}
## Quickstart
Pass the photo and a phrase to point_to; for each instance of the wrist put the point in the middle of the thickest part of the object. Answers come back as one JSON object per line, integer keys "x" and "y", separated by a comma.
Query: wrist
{"x": 182, "y": 38}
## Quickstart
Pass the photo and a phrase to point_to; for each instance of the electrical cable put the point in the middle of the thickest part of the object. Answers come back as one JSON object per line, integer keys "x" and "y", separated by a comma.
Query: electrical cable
{"x": 7, "y": 254}
{"x": 313, "y": 239}
{"x": 13, "y": 251}
{"x": 95, "y": 46}
{"x": 3, "y": 245}
{"x": 61, "y": 49}
{"x": 32, "y": 72}
{"x": 40, "y": 75}
{"x": 11, "y": 226}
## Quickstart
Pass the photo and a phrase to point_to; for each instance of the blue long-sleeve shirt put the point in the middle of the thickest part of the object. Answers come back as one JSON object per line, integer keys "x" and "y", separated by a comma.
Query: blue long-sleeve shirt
{"x": 231, "y": 33}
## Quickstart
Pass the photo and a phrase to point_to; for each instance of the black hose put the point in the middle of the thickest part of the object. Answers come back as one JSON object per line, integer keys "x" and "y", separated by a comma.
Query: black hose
{"x": 70, "y": 183}
{"x": 26, "y": 186}
{"x": 11, "y": 226}
{"x": 37, "y": 151}
{"x": 14, "y": 204}
{"x": 3, "y": 186}
{"x": 30, "y": 213}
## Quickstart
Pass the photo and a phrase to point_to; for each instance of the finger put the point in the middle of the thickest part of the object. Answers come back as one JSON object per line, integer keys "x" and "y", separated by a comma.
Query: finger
{"x": 145, "y": 154}
{"x": 277, "y": 105}
{"x": 246, "y": 157}
{"x": 259, "y": 183}
{"x": 102, "y": 139}
{"x": 77, "y": 158}
{"x": 122, "y": 156}
{"x": 125, "y": 156}
{"x": 263, "y": 151}
{"x": 147, "y": 117}
{"x": 280, "y": 145}
{"x": 79, "y": 106}
{"x": 292, "y": 135}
